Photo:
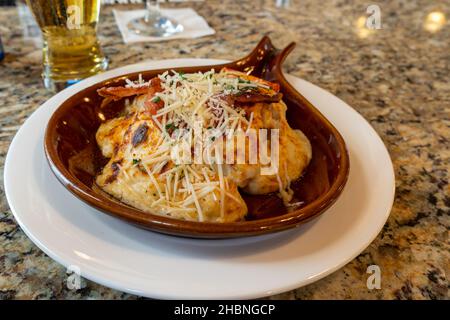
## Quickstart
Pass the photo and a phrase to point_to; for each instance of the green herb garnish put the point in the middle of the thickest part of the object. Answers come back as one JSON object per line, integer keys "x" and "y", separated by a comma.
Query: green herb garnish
{"x": 170, "y": 126}
{"x": 244, "y": 90}
{"x": 156, "y": 99}
{"x": 136, "y": 161}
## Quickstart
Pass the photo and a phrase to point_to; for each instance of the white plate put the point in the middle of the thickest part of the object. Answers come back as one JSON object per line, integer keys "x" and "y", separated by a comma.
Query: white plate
{"x": 123, "y": 257}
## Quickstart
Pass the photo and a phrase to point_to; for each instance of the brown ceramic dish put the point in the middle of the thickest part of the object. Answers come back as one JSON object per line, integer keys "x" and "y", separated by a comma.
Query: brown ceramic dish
{"x": 74, "y": 157}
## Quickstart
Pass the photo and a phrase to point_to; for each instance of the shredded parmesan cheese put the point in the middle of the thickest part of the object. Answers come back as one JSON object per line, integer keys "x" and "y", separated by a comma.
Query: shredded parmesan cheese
{"x": 188, "y": 100}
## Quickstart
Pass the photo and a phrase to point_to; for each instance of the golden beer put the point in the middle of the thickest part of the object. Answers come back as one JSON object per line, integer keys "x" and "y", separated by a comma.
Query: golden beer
{"x": 71, "y": 49}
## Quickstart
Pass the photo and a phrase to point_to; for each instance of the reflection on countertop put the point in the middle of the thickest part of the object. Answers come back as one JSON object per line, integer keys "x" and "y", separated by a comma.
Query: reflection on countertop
{"x": 397, "y": 77}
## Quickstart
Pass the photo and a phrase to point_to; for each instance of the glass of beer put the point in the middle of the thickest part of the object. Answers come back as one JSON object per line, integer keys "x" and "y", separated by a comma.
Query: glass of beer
{"x": 71, "y": 50}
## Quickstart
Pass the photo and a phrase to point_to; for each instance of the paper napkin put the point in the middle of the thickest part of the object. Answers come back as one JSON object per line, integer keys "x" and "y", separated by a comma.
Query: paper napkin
{"x": 194, "y": 25}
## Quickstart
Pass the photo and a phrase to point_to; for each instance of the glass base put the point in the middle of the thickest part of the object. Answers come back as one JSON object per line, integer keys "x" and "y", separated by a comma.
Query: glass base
{"x": 156, "y": 26}
{"x": 58, "y": 84}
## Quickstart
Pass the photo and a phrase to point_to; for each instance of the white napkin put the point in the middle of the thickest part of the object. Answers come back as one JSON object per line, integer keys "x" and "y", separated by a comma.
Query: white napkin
{"x": 194, "y": 25}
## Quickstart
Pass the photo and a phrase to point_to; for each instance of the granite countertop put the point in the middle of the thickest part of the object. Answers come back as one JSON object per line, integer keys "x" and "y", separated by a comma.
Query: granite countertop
{"x": 396, "y": 77}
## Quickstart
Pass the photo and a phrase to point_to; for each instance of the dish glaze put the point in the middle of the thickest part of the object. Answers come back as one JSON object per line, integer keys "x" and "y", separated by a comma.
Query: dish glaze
{"x": 75, "y": 158}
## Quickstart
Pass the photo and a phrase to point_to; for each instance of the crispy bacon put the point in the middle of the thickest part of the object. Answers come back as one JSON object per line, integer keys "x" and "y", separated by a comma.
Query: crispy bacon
{"x": 155, "y": 86}
{"x": 234, "y": 73}
{"x": 255, "y": 97}
{"x": 120, "y": 92}
{"x": 117, "y": 93}
{"x": 247, "y": 98}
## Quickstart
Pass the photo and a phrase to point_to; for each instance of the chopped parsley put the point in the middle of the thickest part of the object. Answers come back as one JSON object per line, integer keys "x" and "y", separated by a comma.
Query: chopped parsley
{"x": 136, "y": 161}
{"x": 156, "y": 99}
{"x": 244, "y": 90}
{"x": 170, "y": 126}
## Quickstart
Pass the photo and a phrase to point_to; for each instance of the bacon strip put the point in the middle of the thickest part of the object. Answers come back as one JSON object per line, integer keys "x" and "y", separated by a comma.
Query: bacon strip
{"x": 117, "y": 93}
{"x": 250, "y": 98}
{"x": 242, "y": 75}
{"x": 120, "y": 92}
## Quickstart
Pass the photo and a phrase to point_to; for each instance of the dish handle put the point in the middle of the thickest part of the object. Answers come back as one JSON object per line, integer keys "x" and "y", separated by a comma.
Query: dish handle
{"x": 264, "y": 61}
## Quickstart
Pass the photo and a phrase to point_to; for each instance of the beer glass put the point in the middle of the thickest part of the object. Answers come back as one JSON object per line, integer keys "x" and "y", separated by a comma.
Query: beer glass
{"x": 71, "y": 50}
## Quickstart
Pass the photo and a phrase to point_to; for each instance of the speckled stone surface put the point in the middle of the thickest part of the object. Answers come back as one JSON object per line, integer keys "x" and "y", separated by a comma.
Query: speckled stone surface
{"x": 396, "y": 77}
